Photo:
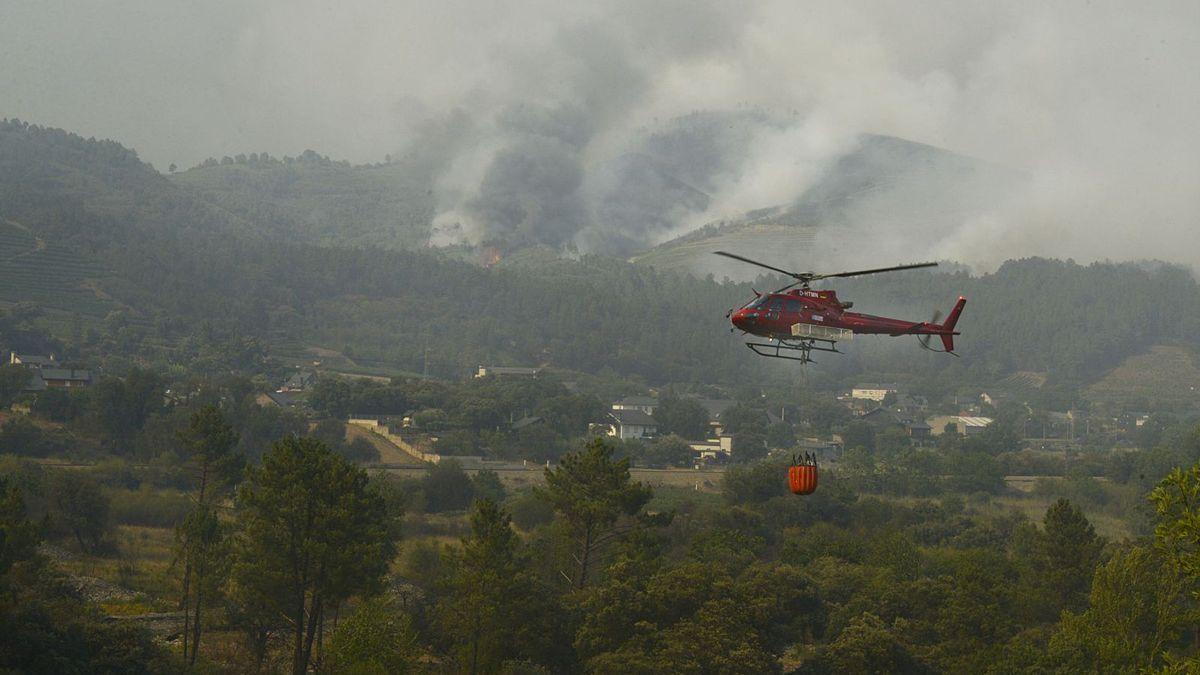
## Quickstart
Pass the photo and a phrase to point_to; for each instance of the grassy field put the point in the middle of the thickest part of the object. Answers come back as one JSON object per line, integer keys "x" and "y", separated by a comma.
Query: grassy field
{"x": 678, "y": 499}
{"x": 1034, "y": 507}
{"x": 140, "y": 564}
{"x": 291, "y": 353}
{"x": 517, "y": 476}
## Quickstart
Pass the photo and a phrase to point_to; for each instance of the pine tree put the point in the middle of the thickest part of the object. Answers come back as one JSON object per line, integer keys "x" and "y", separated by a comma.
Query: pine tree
{"x": 310, "y": 535}
{"x": 201, "y": 543}
{"x": 1067, "y": 554}
{"x": 596, "y": 498}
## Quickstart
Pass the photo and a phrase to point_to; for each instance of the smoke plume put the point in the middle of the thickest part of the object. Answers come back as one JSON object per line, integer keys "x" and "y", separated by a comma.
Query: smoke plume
{"x": 612, "y": 125}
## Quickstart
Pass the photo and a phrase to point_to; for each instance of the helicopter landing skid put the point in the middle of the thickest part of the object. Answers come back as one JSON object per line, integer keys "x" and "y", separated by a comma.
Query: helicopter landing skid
{"x": 793, "y": 349}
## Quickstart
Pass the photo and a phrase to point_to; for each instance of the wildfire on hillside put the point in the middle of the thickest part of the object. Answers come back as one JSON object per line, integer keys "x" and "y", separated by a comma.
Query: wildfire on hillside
{"x": 490, "y": 255}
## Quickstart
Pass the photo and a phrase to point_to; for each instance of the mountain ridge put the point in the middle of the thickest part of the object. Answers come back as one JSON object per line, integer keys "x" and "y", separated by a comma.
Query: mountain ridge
{"x": 174, "y": 273}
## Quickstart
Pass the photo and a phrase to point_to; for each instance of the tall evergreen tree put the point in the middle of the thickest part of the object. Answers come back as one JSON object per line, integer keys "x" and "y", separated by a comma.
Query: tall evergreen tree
{"x": 1068, "y": 551}
{"x": 487, "y": 593}
{"x": 209, "y": 443}
{"x": 595, "y": 496}
{"x": 310, "y": 535}
{"x": 682, "y": 416}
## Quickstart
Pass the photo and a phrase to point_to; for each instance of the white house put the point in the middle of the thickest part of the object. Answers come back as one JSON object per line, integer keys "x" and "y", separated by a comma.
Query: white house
{"x": 873, "y": 392}
{"x": 509, "y": 371}
{"x": 628, "y": 424}
{"x": 32, "y": 360}
{"x": 709, "y": 449}
{"x": 962, "y": 424}
{"x": 299, "y": 381}
{"x": 646, "y": 404}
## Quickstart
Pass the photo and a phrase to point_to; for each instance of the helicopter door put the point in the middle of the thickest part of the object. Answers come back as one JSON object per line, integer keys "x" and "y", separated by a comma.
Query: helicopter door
{"x": 774, "y": 308}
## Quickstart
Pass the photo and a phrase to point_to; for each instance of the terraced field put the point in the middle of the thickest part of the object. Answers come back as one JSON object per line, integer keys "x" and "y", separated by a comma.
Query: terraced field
{"x": 32, "y": 270}
{"x": 1168, "y": 376}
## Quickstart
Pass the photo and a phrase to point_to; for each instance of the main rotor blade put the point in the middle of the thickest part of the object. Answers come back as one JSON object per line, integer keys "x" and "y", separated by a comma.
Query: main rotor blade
{"x": 755, "y": 262}
{"x": 897, "y": 268}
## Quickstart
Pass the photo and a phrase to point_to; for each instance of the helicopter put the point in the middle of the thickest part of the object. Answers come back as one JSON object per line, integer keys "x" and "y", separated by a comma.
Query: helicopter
{"x": 798, "y": 321}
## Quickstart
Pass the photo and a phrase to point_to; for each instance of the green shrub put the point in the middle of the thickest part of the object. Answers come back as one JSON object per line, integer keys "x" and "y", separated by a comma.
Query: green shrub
{"x": 148, "y": 507}
{"x": 528, "y": 511}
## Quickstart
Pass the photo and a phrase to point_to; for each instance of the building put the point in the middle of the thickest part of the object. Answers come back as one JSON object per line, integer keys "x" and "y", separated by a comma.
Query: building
{"x": 277, "y": 399}
{"x": 720, "y": 447}
{"x": 823, "y": 449}
{"x": 65, "y": 378}
{"x": 298, "y": 382}
{"x": 507, "y": 371}
{"x": 910, "y": 407}
{"x": 31, "y": 360}
{"x": 880, "y": 418}
{"x": 646, "y": 404}
{"x": 918, "y": 429}
{"x": 961, "y": 424}
{"x": 627, "y": 424}
{"x": 47, "y": 373}
{"x": 873, "y": 392}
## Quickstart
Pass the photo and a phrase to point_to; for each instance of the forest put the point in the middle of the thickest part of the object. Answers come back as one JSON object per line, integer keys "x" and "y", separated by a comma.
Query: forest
{"x": 121, "y": 501}
{"x": 173, "y": 516}
{"x": 181, "y": 280}
{"x": 587, "y": 569}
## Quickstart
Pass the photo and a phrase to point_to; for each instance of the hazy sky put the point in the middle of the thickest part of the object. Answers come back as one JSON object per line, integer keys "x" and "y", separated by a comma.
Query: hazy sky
{"x": 1099, "y": 101}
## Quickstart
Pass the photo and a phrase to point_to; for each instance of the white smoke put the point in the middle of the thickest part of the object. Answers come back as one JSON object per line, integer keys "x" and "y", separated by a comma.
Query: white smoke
{"x": 1095, "y": 102}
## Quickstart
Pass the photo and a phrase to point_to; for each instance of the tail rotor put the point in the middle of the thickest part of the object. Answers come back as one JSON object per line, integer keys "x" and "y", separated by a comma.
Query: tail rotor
{"x": 945, "y": 331}
{"x": 924, "y": 339}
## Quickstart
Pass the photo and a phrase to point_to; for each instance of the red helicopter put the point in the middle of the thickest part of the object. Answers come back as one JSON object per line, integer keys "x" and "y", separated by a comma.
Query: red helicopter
{"x": 799, "y": 321}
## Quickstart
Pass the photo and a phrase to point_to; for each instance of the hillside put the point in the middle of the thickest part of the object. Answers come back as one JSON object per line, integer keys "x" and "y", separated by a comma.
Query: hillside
{"x": 885, "y": 194}
{"x": 765, "y": 232}
{"x": 1049, "y": 316}
{"x": 49, "y": 275}
{"x": 1164, "y": 378}
{"x": 320, "y": 201}
{"x": 170, "y": 278}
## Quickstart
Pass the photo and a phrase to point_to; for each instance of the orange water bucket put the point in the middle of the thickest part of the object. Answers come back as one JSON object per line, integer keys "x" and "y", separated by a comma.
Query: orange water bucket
{"x": 802, "y": 479}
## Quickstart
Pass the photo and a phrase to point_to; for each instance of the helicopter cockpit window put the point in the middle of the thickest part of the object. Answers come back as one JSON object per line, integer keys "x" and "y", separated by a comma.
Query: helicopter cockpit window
{"x": 776, "y": 305}
{"x": 793, "y": 305}
{"x": 758, "y": 302}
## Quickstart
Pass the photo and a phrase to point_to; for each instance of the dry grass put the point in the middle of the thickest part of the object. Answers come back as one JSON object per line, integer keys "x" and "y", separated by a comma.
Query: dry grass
{"x": 140, "y": 563}
{"x": 517, "y": 477}
{"x": 1034, "y": 507}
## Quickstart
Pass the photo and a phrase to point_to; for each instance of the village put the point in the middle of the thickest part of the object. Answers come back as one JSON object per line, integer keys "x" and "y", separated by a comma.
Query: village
{"x": 519, "y": 424}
